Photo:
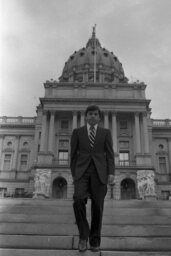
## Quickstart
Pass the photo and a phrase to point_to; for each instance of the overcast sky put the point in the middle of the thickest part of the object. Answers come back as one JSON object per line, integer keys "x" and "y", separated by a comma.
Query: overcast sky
{"x": 38, "y": 36}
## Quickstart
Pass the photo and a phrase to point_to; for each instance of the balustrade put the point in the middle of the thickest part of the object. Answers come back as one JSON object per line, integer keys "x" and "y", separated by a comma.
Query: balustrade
{"x": 161, "y": 122}
{"x": 17, "y": 120}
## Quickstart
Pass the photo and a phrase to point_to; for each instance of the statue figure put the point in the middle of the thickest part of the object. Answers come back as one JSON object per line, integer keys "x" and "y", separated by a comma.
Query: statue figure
{"x": 146, "y": 183}
{"x": 42, "y": 182}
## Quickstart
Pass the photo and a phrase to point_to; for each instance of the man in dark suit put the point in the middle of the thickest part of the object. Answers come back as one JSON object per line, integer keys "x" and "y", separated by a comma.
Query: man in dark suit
{"x": 92, "y": 167}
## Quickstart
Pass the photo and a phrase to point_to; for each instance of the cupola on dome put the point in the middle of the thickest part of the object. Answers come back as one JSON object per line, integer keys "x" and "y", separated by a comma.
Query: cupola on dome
{"x": 93, "y": 64}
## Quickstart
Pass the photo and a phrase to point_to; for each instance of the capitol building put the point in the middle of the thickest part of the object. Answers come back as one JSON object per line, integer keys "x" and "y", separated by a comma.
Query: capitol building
{"x": 91, "y": 75}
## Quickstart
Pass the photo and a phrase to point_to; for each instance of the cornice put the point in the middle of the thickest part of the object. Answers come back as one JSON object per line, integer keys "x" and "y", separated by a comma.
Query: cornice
{"x": 55, "y": 84}
{"x": 85, "y": 100}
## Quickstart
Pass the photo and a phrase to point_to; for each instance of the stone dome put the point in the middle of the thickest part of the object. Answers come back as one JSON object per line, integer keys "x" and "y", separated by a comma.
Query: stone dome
{"x": 93, "y": 64}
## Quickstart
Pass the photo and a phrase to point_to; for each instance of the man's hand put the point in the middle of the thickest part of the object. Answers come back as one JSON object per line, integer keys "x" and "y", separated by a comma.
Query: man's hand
{"x": 111, "y": 179}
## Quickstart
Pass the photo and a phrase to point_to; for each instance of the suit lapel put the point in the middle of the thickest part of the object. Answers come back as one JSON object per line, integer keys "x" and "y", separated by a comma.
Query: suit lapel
{"x": 98, "y": 136}
{"x": 85, "y": 136}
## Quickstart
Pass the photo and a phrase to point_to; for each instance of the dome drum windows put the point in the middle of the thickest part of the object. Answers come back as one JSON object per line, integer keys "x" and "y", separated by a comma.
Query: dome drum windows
{"x": 105, "y": 54}
{"x": 83, "y": 61}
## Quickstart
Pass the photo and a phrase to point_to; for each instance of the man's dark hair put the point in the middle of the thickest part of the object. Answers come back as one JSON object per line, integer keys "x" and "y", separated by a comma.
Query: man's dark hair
{"x": 93, "y": 108}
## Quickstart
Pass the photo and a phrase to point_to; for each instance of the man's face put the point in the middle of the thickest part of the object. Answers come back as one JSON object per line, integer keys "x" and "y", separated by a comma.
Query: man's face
{"x": 92, "y": 117}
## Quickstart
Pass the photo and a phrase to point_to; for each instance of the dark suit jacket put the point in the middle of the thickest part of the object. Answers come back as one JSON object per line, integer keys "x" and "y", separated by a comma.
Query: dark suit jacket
{"x": 102, "y": 153}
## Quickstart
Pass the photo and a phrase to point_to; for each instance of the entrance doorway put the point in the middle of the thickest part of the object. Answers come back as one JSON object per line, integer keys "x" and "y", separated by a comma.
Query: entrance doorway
{"x": 128, "y": 190}
{"x": 59, "y": 188}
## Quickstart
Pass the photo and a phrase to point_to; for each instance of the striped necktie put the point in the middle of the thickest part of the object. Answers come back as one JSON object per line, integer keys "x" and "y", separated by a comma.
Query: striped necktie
{"x": 92, "y": 136}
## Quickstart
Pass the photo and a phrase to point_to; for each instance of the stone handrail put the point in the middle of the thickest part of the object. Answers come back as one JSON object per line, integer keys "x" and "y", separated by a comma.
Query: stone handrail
{"x": 161, "y": 122}
{"x": 17, "y": 120}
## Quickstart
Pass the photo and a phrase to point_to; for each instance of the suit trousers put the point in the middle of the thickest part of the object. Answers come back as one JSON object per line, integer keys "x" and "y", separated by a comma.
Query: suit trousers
{"x": 89, "y": 186}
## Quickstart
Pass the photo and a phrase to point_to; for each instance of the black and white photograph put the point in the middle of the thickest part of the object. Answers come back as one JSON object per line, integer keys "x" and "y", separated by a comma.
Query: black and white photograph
{"x": 85, "y": 127}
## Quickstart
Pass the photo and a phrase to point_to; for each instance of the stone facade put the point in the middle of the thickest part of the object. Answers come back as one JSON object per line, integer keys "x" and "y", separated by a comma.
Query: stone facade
{"x": 43, "y": 142}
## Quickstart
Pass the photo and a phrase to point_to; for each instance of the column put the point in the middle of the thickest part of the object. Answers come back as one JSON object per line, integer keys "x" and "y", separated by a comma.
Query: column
{"x": 145, "y": 132}
{"x": 15, "y": 157}
{"x": 74, "y": 120}
{"x": 43, "y": 132}
{"x": 85, "y": 77}
{"x": 82, "y": 118}
{"x": 169, "y": 146}
{"x": 1, "y": 148}
{"x": 106, "y": 120}
{"x": 51, "y": 131}
{"x": 36, "y": 142}
{"x": 1, "y": 144}
{"x": 137, "y": 133}
{"x": 114, "y": 131}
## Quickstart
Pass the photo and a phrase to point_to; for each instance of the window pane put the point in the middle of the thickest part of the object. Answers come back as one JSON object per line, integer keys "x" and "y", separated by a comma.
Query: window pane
{"x": 124, "y": 158}
{"x": 7, "y": 162}
{"x": 124, "y": 144}
{"x": 162, "y": 164}
{"x": 63, "y": 157}
{"x": 123, "y": 124}
{"x": 23, "y": 162}
{"x": 63, "y": 143}
{"x": 3, "y": 192}
{"x": 64, "y": 124}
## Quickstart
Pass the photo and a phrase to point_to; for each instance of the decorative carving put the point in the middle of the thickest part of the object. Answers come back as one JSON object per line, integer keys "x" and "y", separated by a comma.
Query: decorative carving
{"x": 146, "y": 183}
{"x": 42, "y": 182}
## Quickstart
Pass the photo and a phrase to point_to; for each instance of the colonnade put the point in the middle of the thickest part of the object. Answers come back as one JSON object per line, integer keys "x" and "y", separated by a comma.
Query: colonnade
{"x": 141, "y": 130}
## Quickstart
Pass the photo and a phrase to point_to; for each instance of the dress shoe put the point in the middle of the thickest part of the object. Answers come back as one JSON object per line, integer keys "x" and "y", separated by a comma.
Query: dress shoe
{"x": 82, "y": 246}
{"x": 95, "y": 248}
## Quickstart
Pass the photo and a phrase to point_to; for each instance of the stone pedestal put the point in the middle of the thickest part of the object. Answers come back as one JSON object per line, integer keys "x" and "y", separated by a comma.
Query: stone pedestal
{"x": 42, "y": 183}
{"x": 143, "y": 159}
{"x": 44, "y": 158}
{"x": 146, "y": 184}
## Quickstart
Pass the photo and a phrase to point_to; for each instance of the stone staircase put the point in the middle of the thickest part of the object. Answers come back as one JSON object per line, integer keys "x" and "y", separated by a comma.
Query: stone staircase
{"x": 32, "y": 227}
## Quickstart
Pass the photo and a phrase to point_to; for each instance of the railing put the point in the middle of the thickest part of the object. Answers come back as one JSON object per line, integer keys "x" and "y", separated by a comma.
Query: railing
{"x": 161, "y": 122}
{"x": 17, "y": 120}
{"x": 126, "y": 163}
{"x": 61, "y": 162}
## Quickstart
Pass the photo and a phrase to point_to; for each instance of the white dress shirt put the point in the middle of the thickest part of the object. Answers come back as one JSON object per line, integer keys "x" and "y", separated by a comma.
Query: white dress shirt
{"x": 88, "y": 128}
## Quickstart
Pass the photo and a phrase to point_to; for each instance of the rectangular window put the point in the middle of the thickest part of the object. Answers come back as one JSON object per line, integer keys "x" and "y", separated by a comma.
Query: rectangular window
{"x": 165, "y": 195}
{"x": 63, "y": 157}
{"x": 38, "y": 149}
{"x": 124, "y": 144}
{"x": 64, "y": 124}
{"x": 123, "y": 124}
{"x": 23, "y": 162}
{"x": 162, "y": 165}
{"x": 19, "y": 192}
{"x": 7, "y": 162}
{"x": 124, "y": 158}
{"x": 3, "y": 192}
{"x": 63, "y": 143}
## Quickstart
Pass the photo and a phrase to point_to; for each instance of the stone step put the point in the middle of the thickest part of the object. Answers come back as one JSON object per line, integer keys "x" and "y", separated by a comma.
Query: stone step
{"x": 68, "y": 202}
{"x": 137, "y": 253}
{"x": 25, "y": 252}
{"x": 107, "y": 219}
{"x": 69, "y": 242}
{"x": 42, "y": 210}
{"x": 36, "y": 242}
{"x": 71, "y": 229}
{"x": 133, "y": 243}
